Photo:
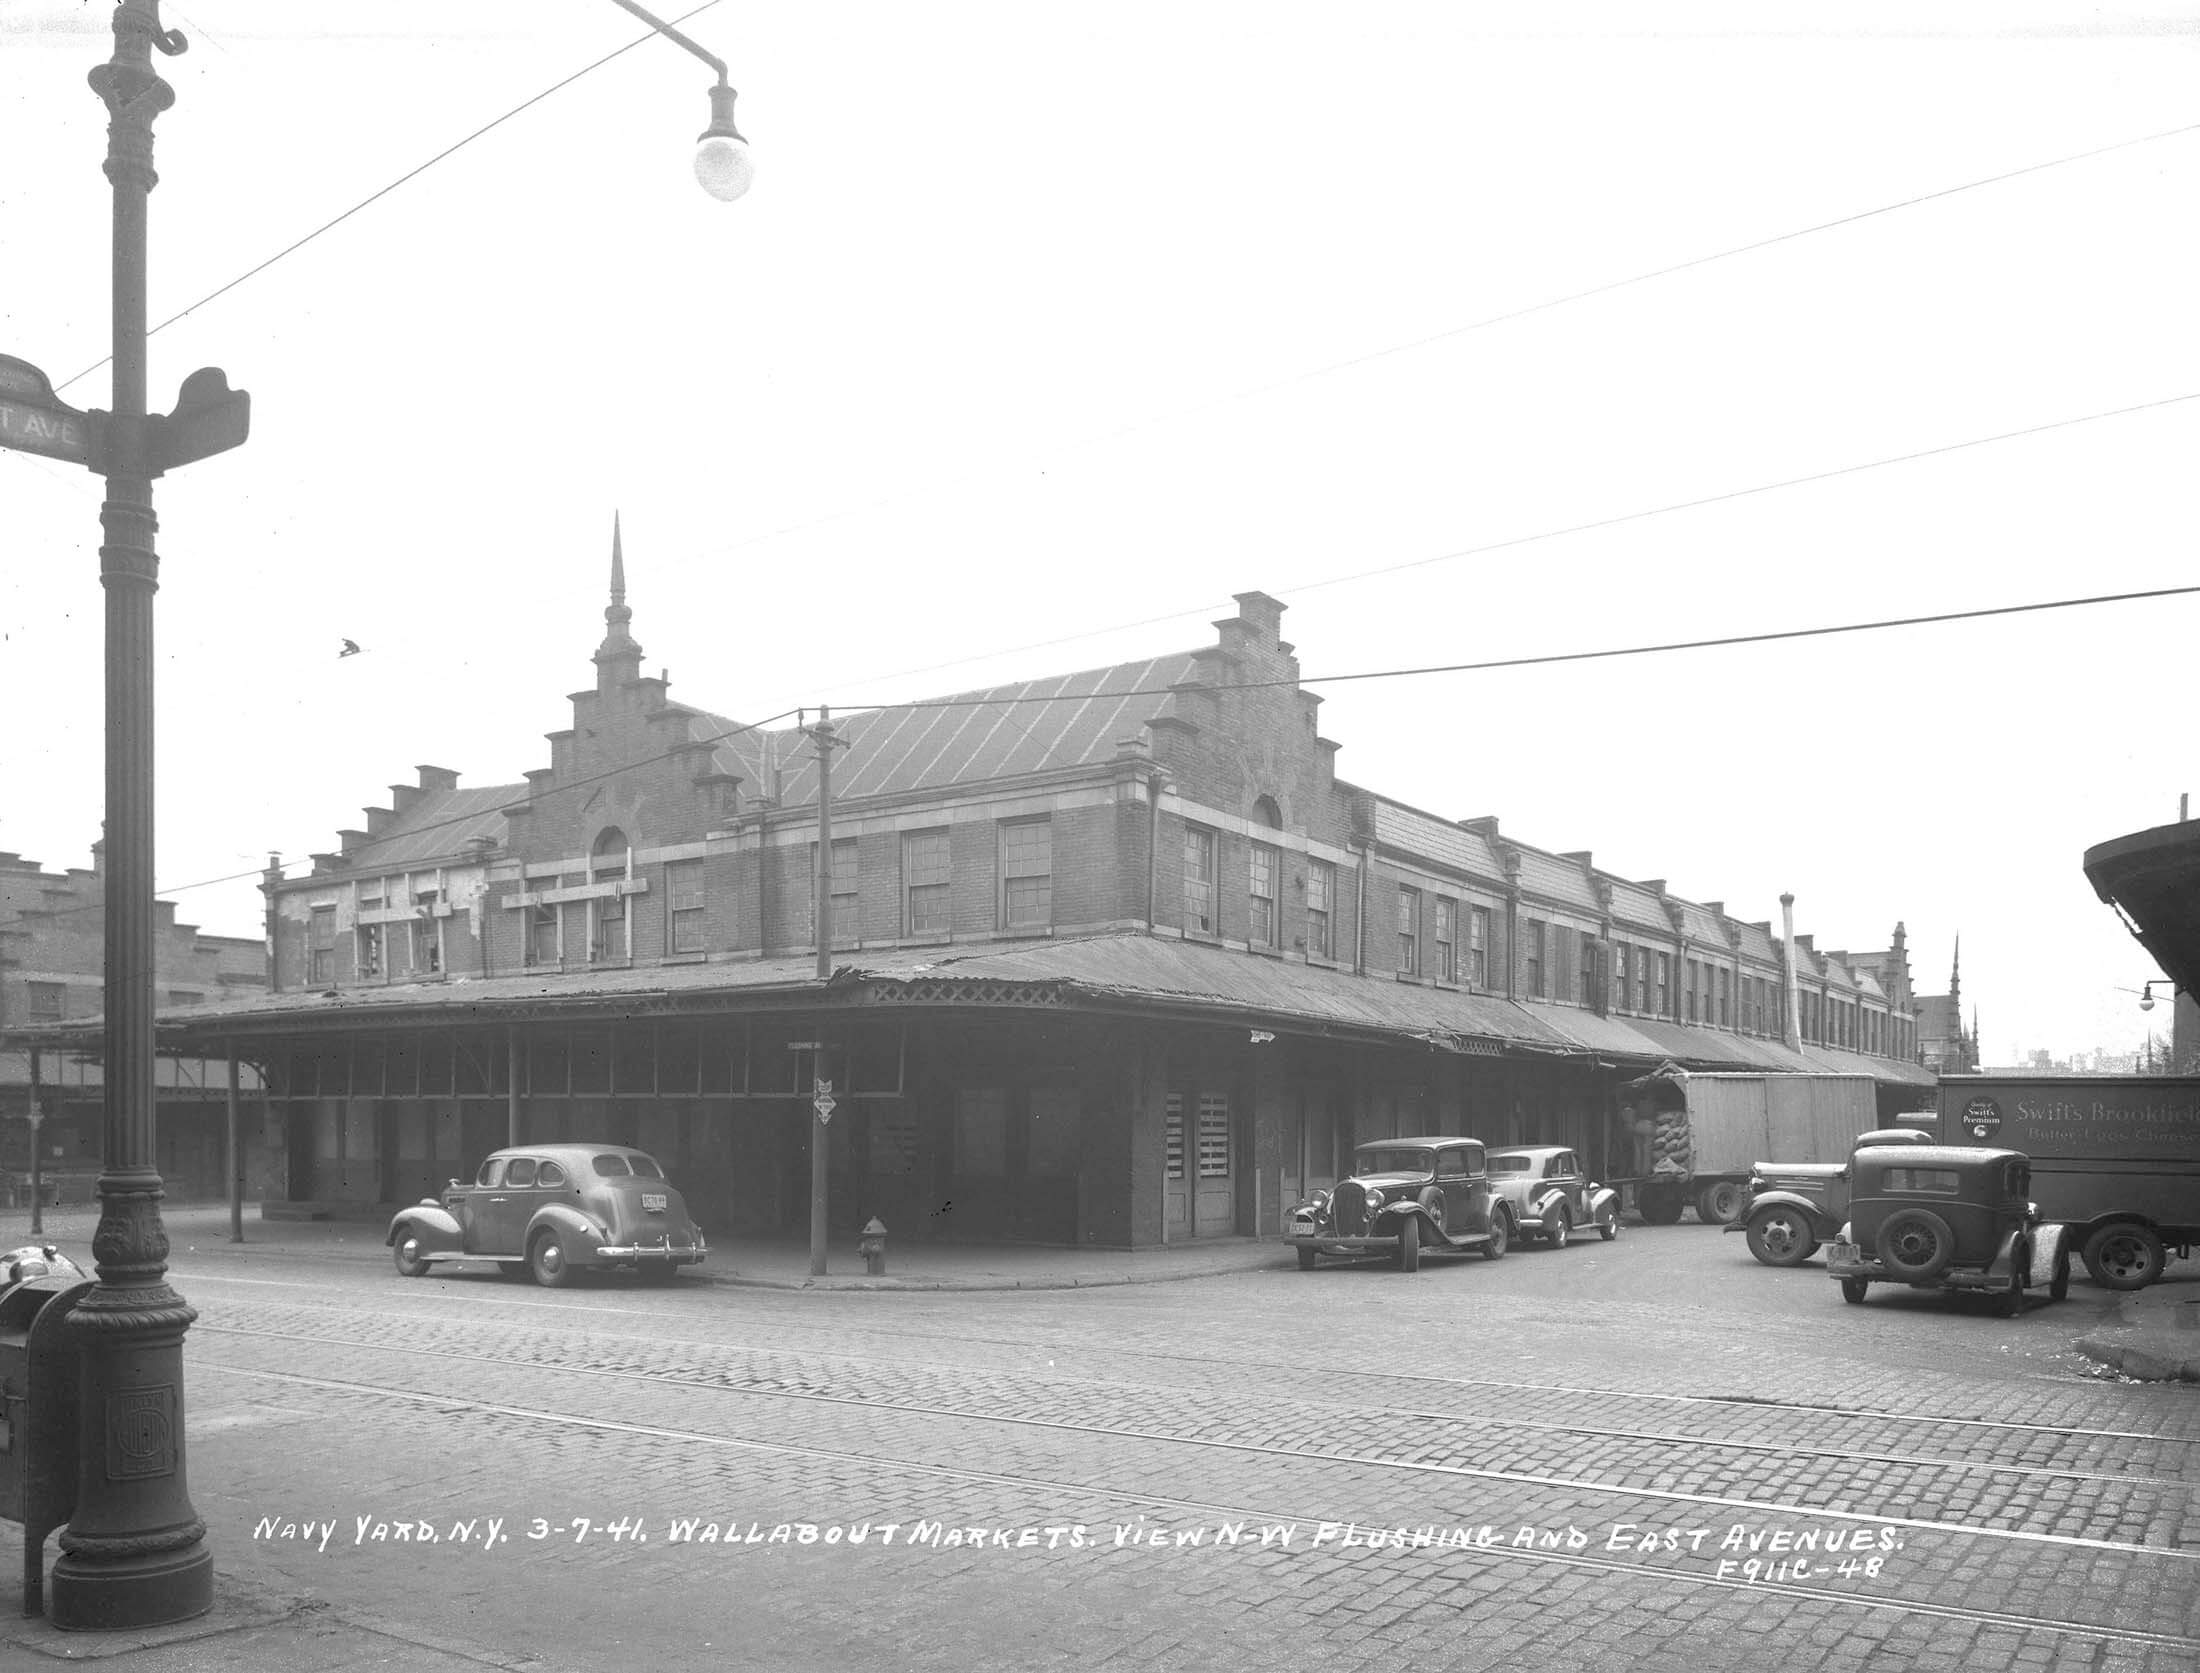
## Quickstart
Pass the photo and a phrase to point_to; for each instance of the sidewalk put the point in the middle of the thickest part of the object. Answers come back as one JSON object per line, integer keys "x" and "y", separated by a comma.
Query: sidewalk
{"x": 198, "y": 1232}
{"x": 2156, "y": 1336}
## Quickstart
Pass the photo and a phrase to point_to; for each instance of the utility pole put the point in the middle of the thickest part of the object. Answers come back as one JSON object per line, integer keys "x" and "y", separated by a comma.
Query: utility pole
{"x": 821, "y": 1090}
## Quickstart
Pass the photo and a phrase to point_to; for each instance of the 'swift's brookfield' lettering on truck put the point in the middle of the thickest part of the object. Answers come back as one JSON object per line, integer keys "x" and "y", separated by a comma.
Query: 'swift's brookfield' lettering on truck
{"x": 2115, "y": 1158}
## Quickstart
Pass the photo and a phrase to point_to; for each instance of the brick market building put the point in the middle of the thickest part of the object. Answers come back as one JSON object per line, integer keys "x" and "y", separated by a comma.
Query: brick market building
{"x": 52, "y": 962}
{"x": 1117, "y": 958}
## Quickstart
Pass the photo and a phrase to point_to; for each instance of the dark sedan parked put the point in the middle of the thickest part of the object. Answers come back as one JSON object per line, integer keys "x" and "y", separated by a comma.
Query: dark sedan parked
{"x": 552, "y": 1210}
{"x": 1949, "y": 1218}
{"x": 1406, "y": 1195}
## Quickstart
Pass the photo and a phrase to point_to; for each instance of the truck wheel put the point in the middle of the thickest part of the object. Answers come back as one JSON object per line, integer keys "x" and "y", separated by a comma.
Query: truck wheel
{"x": 1409, "y": 1243}
{"x": 1781, "y": 1237}
{"x": 1660, "y": 1205}
{"x": 1719, "y": 1203}
{"x": 1853, "y": 1290}
{"x": 407, "y": 1251}
{"x": 2124, "y": 1256}
{"x": 1916, "y": 1245}
{"x": 1306, "y": 1260}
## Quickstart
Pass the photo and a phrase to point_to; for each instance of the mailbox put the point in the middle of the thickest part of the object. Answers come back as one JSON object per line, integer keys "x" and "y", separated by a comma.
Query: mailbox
{"x": 38, "y": 1403}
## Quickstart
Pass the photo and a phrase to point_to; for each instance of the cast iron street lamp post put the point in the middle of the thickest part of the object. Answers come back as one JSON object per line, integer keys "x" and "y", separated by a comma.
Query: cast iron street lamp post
{"x": 134, "y": 1553}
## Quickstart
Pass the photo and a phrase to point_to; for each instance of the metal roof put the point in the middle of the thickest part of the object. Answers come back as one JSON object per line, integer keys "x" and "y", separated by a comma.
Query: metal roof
{"x": 435, "y": 825}
{"x": 1003, "y": 731}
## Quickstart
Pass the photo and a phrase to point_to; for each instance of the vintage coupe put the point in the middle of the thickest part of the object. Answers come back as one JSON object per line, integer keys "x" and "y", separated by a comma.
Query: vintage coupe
{"x": 553, "y": 1210}
{"x": 1550, "y": 1195}
{"x": 1947, "y": 1217}
{"x": 1406, "y": 1195}
{"x": 1793, "y": 1207}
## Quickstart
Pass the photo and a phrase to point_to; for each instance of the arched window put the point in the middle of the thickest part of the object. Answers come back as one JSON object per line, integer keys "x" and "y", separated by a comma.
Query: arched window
{"x": 610, "y": 860}
{"x": 1268, "y": 813}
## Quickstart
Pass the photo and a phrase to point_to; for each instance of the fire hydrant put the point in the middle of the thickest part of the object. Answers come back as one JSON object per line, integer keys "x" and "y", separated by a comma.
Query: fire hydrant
{"x": 872, "y": 1247}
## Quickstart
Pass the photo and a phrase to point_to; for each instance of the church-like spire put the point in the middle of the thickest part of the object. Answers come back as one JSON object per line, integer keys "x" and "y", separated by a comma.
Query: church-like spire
{"x": 618, "y": 657}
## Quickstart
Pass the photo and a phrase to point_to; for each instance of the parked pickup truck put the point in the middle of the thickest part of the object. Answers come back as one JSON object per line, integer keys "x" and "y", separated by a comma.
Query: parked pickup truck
{"x": 1796, "y": 1206}
{"x": 2115, "y": 1158}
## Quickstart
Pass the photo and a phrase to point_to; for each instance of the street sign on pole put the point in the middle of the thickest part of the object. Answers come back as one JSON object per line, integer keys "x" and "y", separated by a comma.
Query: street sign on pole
{"x": 210, "y": 417}
{"x": 33, "y": 419}
{"x": 824, "y": 1103}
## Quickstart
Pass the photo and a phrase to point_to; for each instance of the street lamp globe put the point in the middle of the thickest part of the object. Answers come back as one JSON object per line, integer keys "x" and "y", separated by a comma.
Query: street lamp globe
{"x": 722, "y": 162}
{"x": 722, "y": 165}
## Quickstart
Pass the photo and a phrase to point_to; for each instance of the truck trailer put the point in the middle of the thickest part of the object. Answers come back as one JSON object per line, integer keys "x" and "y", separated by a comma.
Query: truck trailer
{"x": 2115, "y": 1158}
{"x": 1685, "y": 1139}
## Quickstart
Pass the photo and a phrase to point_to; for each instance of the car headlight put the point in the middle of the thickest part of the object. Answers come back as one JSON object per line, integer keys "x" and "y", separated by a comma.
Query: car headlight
{"x": 1374, "y": 1200}
{"x": 1318, "y": 1203}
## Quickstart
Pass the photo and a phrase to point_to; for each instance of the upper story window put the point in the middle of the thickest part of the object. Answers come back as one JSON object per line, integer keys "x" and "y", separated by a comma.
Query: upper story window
{"x": 427, "y": 926}
{"x": 1321, "y": 890}
{"x": 1588, "y": 992}
{"x": 1409, "y": 931}
{"x": 846, "y": 892}
{"x": 611, "y": 860}
{"x": 1534, "y": 931}
{"x": 1027, "y": 874}
{"x": 684, "y": 911}
{"x": 321, "y": 944}
{"x": 1622, "y": 996}
{"x": 49, "y": 1001}
{"x": 1689, "y": 986}
{"x": 1478, "y": 946}
{"x": 1445, "y": 934}
{"x": 1199, "y": 880}
{"x": 1665, "y": 981}
{"x": 1642, "y": 980}
{"x": 372, "y": 894}
{"x": 1260, "y": 894}
{"x": 542, "y": 924}
{"x": 924, "y": 883}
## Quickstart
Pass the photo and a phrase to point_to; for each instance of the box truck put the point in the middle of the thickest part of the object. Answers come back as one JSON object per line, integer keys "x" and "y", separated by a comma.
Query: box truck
{"x": 2116, "y": 1158}
{"x": 1686, "y": 1139}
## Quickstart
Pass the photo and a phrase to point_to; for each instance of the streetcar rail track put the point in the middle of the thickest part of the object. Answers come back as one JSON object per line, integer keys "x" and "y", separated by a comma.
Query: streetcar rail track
{"x": 697, "y": 1379}
{"x": 2028, "y": 1623}
{"x": 838, "y": 1330}
{"x": 1528, "y": 1478}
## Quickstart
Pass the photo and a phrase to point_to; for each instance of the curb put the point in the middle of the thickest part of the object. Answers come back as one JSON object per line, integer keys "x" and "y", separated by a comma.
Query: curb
{"x": 2143, "y": 1354}
{"x": 370, "y": 1248}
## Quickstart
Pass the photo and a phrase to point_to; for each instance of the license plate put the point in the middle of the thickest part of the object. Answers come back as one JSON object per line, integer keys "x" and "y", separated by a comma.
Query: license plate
{"x": 653, "y": 1202}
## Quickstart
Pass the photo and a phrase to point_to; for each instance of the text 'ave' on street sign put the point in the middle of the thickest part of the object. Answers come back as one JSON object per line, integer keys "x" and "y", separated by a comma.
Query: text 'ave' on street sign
{"x": 33, "y": 419}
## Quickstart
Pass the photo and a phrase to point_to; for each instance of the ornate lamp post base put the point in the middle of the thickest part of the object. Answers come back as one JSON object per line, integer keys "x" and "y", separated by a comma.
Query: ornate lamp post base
{"x": 134, "y": 1553}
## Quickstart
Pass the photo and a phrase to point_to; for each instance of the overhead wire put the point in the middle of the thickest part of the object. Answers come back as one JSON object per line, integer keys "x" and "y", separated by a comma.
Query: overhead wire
{"x": 373, "y": 197}
{"x": 1553, "y": 657}
{"x": 1608, "y": 287}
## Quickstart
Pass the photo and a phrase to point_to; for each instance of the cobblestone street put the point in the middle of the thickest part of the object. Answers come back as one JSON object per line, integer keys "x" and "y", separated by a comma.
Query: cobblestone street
{"x": 1656, "y": 1455}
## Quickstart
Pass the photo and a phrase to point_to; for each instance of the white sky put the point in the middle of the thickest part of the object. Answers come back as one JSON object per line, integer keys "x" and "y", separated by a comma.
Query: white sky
{"x": 1042, "y": 321}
